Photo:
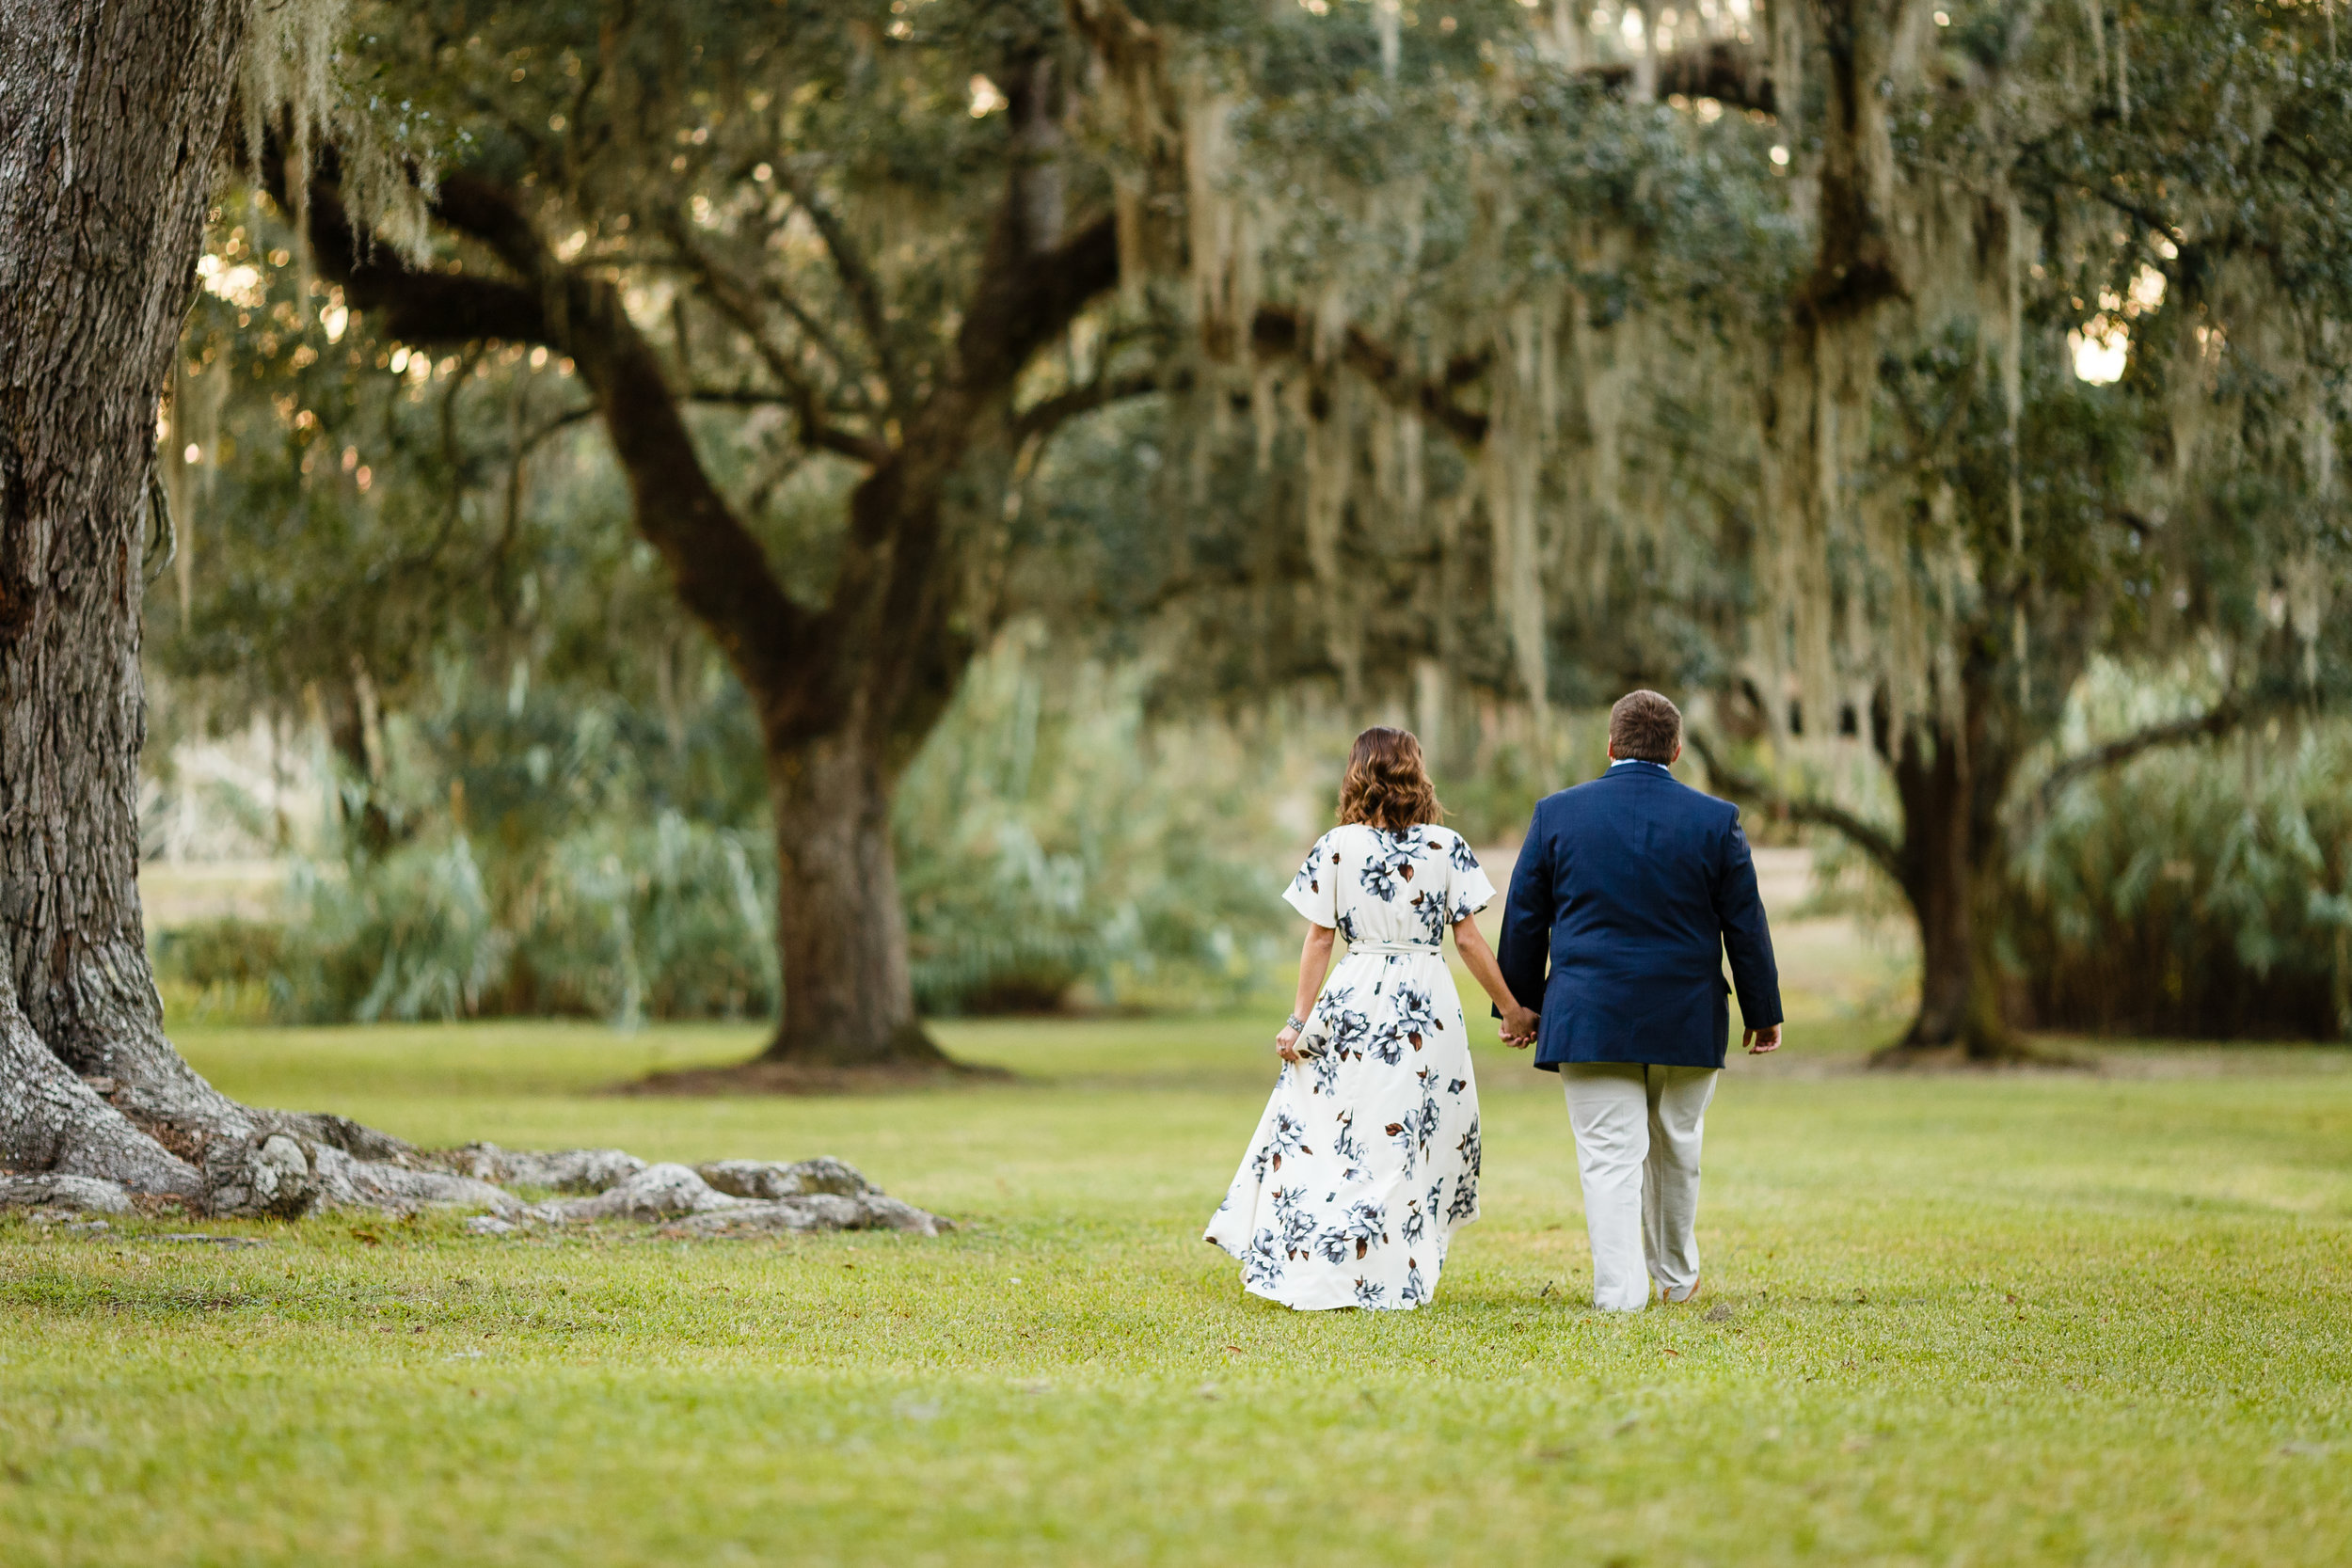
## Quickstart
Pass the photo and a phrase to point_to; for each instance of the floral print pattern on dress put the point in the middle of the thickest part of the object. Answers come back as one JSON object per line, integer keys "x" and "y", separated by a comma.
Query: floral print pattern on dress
{"x": 1366, "y": 1159}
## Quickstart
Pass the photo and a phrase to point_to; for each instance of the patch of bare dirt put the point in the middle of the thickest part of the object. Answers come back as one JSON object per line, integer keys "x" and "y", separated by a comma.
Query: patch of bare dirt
{"x": 2021, "y": 1057}
{"x": 795, "y": 1078}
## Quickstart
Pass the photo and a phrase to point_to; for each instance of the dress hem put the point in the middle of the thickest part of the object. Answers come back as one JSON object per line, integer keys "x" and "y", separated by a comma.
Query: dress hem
{"x": 1437, "y": 1276}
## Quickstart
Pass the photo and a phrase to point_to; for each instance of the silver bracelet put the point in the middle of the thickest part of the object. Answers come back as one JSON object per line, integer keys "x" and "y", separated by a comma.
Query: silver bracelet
{"x": 1295, "y": 1022}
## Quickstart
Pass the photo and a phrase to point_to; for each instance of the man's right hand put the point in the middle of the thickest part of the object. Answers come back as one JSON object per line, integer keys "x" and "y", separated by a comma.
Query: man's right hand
{"x": 1759, "y": 1041}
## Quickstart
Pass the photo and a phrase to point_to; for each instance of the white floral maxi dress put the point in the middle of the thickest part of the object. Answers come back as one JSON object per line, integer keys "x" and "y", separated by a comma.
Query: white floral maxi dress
{"x": 1367, "y": 1156}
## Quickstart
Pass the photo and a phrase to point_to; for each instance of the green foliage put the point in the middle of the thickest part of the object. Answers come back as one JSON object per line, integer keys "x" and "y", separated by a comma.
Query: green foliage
{"x": 547, "y": 779}
{"x": 2202, "y": 892}
{"x": 412, "y": 935}
{"x": 1049, "y": 836}
{"x": 546, "y": 791}
{"x": 219, "y": 970}
{"x": 544, "y": 796}
{"x": 804, "y": 191}
{"x": 1049, "y": 839}
{"x": 620, "y": 919}
{"x": 617, "y": 919}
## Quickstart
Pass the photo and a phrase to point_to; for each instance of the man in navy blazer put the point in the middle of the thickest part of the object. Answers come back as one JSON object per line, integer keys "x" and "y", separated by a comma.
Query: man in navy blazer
{"x": 1630, "y": 889}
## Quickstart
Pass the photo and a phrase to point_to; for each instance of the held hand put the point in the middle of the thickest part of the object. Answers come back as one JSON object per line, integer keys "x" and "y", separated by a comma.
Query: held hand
{"x": 1759, "y": 1041}
{"x": 1287, "y": 1044}
{"x": 1519, "y": 1027}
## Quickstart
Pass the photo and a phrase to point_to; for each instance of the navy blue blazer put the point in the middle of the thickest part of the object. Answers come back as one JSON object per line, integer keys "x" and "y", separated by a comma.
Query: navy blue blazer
{"x": 1633, "y": 887}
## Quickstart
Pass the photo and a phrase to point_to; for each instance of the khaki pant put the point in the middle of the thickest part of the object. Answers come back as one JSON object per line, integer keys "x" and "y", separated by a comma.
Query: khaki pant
{"x": 1637, "y": 1149}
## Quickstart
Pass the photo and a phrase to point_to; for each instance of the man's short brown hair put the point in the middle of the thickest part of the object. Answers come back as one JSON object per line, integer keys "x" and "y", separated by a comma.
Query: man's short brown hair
{"x": 1646, "y": 726}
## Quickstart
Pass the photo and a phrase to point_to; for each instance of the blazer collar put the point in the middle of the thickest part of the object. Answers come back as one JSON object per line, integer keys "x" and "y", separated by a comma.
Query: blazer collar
{"x": 1636, "y": 767}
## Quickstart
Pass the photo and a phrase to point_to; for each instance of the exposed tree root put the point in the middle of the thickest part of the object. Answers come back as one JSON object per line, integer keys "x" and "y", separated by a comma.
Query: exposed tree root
{"x": 84, "y": 1194}
{"x": 746, "y": 1196}
{"x": 567, "y": 1170}
{"x": 51, "y": 1121}
{"x": 154, "y": 1132}
{"x": 283, "y": 1177}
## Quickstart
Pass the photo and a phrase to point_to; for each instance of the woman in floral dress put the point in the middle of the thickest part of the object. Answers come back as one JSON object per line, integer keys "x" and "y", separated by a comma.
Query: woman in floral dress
{"x": 1367, "y": 1156}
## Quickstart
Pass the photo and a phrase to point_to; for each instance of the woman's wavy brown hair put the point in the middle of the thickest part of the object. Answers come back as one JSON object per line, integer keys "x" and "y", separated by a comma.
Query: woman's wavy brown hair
{"x": 1387, "y": 784}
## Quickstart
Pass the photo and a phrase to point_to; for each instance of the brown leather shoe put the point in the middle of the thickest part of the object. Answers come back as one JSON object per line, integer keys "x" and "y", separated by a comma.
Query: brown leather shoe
{"x": 1670, "y": 1299}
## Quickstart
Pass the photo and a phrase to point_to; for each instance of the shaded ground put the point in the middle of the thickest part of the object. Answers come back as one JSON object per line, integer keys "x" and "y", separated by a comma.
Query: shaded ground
{"x": 2027, "y": 1319}
{"x": 763, "y": 1078}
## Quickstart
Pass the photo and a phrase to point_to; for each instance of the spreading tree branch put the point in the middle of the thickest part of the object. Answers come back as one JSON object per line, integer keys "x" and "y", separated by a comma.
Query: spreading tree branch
{"x": 735, "y": 303}
{"x": 891, "y": 589}
{"x": 814, "y": 326}
{"x": 1026, "y": 300}
{"x": 857, "y": 281}
{"x": 721, "y": 573}
{"x": 1277, "y": 333}
{"x": 1871, "y": 839}
{"x": 723, "y": 397}
{"x": 2231, "y": 713}
{"x": 1047, "y": 415}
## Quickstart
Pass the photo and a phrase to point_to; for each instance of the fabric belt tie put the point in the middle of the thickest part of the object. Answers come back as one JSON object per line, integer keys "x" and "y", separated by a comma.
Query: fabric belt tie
{"x": 1407, "y": 949}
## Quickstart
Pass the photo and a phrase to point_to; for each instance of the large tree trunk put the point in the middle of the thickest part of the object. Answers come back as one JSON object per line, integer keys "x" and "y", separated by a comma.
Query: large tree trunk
{"x": 1952, "y": 867}
{"x": 105, "y": 166}
{"x": 107, "y": 156}
{"x": 898, "y": 656}
{"x": 848, "y": 998}
{"x": 1959, "y": 974}
{"x": 50, "y": 1121}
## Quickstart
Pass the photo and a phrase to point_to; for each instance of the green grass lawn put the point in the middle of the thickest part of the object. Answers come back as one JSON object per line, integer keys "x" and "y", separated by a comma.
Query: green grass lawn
{"x": 2007, "y": 1320}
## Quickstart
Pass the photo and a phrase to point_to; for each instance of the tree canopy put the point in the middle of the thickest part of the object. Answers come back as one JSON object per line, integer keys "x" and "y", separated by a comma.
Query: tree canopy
{"x": 1866, "y": 370}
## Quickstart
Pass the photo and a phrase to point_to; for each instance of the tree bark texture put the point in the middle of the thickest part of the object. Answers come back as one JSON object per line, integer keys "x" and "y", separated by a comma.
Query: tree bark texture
{"x": 838, "y": 922}
{"x": 1952, "y": 864}
{"x": 1943, "y": 879}
{"x": 113, "y": 115}
{"x": 110, "y": 121}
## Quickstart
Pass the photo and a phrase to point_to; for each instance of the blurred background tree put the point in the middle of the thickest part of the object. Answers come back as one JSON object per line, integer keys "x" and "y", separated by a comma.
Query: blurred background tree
{"x": 1991, "y": 361}
{"x": 1045, "y": 431}
{"x": 851, "y": 235}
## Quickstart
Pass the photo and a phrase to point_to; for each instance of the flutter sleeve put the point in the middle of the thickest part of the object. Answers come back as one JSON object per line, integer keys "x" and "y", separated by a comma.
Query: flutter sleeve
{"x": 1468, "y": 891}
{"x": 1316, "y": 890}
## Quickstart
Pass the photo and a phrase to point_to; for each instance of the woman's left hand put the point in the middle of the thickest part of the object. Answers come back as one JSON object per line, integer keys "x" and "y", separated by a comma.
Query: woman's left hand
{"x": 1287, "y": 1044}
